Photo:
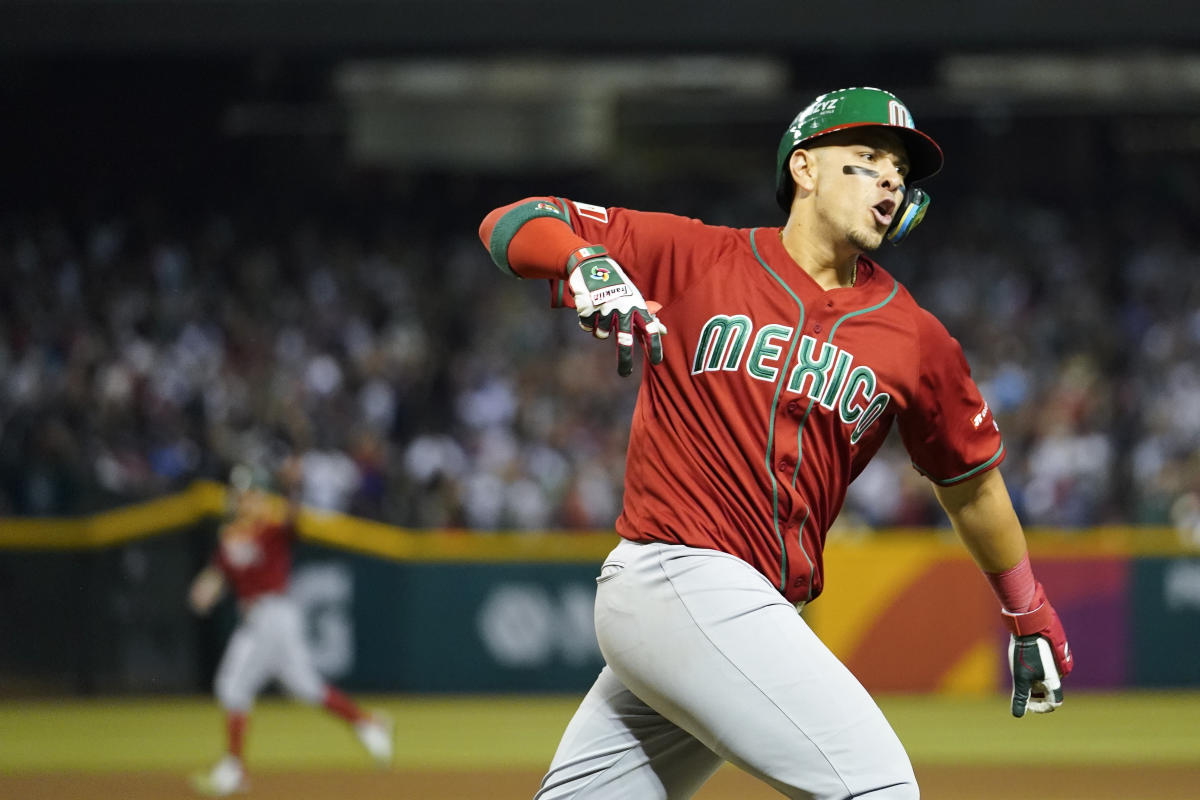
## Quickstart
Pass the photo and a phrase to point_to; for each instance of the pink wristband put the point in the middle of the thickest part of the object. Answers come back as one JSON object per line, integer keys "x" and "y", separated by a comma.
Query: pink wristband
{"x": 1031, "y": 622}
{"x": 1015, "y": 586}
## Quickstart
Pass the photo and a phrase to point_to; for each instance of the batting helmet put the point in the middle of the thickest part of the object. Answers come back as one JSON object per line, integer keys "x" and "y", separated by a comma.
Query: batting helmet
{"x": 245, "y": 477}
{"x": 855, "y": 108}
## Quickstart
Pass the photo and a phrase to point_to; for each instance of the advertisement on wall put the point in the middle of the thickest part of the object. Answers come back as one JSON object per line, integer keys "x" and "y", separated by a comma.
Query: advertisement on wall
{"x": 380, "y": 625}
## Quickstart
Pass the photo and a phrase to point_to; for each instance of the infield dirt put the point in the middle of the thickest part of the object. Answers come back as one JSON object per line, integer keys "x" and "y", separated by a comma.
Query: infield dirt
{"x": 1089, "y": 782}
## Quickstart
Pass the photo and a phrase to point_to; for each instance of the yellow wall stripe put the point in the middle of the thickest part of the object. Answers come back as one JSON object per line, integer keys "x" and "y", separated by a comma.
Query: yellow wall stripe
{"x": 401, "y": 544}
{"x": 205, "y": 500}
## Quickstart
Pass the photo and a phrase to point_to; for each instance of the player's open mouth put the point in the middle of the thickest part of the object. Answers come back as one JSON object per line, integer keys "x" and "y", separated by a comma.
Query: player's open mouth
{"x": 883, "y": 211}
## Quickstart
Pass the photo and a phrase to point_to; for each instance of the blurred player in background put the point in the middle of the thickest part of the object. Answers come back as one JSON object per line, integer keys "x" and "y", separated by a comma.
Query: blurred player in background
{"x": 254, "y": 556}
{"x": 791, "y": 355}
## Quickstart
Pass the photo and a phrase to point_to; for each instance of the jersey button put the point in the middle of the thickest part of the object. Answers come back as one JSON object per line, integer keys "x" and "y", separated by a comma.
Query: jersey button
{"x": 816, "y": 327}
{"x": 786, "y": 465}
{"x": 793, "y": 406}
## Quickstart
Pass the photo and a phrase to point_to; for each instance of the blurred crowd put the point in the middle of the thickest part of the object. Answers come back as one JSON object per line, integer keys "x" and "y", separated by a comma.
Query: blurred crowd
{"x": 142, "y": 349}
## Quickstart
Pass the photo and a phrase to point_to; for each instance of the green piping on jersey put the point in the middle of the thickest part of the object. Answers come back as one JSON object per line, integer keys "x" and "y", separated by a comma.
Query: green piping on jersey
{"x": 800, "y": 442}
{"x": 512, "y": 221}
{"x": 783, "y": 377}
{"x": 832, "y": 333}
{"x": 968, "y": 474}
{"x": 800, "y": 428}
{"x": 876, "y": 307}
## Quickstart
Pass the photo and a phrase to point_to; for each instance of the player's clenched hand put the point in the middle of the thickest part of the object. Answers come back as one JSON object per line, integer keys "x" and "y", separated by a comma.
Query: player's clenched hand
{"x": 1036, "y": 683}
{"x": 206, "y": 589}
{"x": 1038, "y": 656}
{"x": 605, "y": 299}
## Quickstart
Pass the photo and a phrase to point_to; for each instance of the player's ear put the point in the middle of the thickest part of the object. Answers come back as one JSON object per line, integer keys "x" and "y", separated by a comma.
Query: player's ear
{"x": 803, "y": 169}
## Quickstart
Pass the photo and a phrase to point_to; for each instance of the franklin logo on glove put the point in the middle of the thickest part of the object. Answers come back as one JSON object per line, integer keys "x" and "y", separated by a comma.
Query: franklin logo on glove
{"x": 607, "y": 293}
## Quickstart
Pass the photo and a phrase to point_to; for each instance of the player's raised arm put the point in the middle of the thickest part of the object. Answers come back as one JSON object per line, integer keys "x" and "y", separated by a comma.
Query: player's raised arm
{"x": 982, "y": 514}
{"x": 290, "y": 477}
{"x": 533, "y": 238}
{"x": 207, "y": 588}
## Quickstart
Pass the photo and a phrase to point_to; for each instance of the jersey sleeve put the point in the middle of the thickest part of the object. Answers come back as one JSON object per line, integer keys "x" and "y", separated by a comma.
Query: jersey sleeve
{"x": 531, "y": 238}
{"x": 948, "y": 429}
{"x": 645, "y": 244}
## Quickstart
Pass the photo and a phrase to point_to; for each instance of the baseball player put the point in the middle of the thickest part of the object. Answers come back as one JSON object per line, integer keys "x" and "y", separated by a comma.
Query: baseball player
{"x": 789, "y": 357}
{"x": 254, "y": 555}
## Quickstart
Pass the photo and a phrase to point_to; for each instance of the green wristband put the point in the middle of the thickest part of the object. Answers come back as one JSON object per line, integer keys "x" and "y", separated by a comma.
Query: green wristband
{"x": 508, "y": 225}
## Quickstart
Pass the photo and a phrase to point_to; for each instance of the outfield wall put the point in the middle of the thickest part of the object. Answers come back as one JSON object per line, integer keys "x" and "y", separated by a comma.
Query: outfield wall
{"x": 96, "y": 605}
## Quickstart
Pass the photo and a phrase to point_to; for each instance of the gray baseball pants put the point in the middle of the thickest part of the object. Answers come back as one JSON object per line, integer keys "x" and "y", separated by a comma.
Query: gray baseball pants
{"x": 707, "y": 662}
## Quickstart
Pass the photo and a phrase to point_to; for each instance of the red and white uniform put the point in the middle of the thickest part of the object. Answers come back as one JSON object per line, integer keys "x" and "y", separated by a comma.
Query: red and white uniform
{"x": 269, "y": 643}
{"x": 256, "y": 558}
{"x": 772, "y": 396}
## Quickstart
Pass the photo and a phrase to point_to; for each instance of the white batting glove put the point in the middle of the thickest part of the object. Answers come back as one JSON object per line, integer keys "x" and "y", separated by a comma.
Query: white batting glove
{"x": 1037, "y": 687}
{"x": 1038, "y": 656}
{"x": 603, "y": 293}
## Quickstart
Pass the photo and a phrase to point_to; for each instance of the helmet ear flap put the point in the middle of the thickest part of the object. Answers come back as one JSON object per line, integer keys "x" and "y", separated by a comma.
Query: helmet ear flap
{"x": 909, "y": 215}
{"x": 785, "y": 187}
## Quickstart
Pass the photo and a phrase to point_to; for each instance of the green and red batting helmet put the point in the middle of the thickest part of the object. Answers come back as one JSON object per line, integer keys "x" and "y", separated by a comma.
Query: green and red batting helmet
{"x": 855, "y": 108}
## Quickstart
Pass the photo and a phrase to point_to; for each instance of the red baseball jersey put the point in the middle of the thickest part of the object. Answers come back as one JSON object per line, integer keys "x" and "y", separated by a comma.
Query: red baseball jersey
{"x": 774, "y": 393}
{"x": 256, "y": 557}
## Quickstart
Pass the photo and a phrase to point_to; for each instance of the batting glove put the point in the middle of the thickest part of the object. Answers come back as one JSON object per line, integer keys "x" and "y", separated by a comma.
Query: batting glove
{"x": 1038, "y": 657}
{"x": 605, "y": 297}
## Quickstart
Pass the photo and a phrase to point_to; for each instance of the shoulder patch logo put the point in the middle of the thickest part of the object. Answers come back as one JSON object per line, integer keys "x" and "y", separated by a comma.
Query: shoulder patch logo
{"x": 598, "y": 213}
{"x": 979, "y": 418}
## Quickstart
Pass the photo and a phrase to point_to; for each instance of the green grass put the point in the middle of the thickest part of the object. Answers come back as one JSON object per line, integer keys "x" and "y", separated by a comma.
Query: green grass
{"x": 522, "y": 732}
{"x": 132, "y": 734}
{"x": 1130, "y": 727}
